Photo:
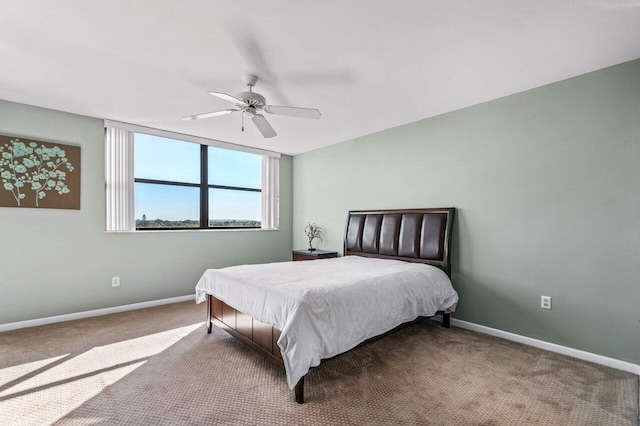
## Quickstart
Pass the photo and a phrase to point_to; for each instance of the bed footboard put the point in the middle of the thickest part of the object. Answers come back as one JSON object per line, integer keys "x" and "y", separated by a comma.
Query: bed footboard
{"x": 260, "y": 337}
{"x": 263, "y": 338}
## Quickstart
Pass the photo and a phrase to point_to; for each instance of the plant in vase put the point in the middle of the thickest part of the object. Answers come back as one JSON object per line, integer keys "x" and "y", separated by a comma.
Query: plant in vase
{"x": 313, "y": 231}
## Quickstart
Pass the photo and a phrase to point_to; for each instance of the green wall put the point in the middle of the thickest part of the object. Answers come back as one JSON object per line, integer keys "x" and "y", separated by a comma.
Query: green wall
{"x": 547, "y": 187}
{"x": 56, "y": 262}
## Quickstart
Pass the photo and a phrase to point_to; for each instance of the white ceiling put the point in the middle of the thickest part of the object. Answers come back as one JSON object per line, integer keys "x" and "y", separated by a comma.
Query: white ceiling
{"x": 367, "y": 66}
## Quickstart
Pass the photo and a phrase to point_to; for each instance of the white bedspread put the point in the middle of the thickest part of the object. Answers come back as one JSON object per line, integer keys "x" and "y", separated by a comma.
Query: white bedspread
{"x": 326, "y": 307}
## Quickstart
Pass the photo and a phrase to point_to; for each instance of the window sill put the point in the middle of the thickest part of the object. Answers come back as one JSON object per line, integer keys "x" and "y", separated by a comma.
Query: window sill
{"x": 171, "y": 231}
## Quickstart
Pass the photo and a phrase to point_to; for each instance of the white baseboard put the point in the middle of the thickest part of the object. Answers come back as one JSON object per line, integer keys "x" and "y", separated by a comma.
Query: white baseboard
{"x": 552, "y": 347}
{"x": 94, "y": 313}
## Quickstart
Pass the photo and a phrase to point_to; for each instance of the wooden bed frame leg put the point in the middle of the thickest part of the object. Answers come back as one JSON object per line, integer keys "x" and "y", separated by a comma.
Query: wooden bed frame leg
{"x": 299, "y": 391}
{"x": 446, "y": 320}
{"x": 208, "y": 314}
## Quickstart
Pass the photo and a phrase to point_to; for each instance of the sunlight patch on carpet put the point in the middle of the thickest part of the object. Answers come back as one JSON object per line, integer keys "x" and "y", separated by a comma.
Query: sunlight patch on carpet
{"x": 10, "y": 374}
{"x": 56, "y": 391}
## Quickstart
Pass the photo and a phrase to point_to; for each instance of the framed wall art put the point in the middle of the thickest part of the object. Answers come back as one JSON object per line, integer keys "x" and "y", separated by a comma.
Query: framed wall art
{"x": 36, "y": 174}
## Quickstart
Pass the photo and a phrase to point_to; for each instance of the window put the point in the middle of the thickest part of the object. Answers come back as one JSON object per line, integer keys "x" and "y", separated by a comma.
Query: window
{"x": 161, "y": 181}
{"x": 167, "y": 183}
{"x": 234, "y": 182}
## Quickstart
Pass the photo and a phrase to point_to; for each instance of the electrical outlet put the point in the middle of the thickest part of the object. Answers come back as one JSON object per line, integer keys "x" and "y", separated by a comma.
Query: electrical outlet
{"x": 545, "y": 302}
{"x": 115, "y": 281}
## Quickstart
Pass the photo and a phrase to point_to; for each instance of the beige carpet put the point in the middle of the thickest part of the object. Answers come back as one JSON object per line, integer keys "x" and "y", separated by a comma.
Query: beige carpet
{"x": 158, "y": 366}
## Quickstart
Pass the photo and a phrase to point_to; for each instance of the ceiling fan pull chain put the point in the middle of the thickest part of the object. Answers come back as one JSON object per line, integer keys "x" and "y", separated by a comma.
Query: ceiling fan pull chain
{"x": 243, "y": 121}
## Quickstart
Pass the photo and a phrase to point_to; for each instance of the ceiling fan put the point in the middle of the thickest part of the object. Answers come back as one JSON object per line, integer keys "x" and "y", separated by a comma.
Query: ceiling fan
{"x": 251, "y": 104}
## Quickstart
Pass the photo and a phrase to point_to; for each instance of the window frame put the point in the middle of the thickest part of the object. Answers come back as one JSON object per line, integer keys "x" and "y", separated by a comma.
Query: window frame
{"x": 120, "y": 185}
{"x": 204, "y": 187}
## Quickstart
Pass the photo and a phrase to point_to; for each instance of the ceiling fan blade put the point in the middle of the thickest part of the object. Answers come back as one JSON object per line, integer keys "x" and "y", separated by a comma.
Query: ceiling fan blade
{"x": 263, "y": 125}
{"x": 210, "y": 114}
{"x": 227, "y": 97}
{"x": 293, "y": 111}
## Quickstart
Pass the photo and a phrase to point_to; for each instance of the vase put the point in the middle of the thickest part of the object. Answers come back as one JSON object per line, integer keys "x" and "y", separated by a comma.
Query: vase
{"x": 310, "y": 246}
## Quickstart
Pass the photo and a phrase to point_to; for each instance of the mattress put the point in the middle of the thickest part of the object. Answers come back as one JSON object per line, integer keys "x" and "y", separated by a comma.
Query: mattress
{"x": 326, "y": 307}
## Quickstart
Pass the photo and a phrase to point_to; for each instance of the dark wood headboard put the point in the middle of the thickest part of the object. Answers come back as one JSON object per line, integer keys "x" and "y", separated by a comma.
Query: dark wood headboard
{"x": 411, "y": 235}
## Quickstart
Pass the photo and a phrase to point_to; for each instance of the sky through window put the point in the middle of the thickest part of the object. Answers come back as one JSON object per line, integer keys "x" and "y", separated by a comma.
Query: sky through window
{"x": 166, "y": 159}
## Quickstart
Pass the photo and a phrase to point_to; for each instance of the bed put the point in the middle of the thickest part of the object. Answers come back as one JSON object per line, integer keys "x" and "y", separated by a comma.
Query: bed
{"x": 395, "y": 271}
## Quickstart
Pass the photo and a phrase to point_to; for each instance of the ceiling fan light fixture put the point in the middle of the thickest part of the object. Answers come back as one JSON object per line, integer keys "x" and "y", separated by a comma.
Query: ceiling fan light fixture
{"x": 250, "y": 111}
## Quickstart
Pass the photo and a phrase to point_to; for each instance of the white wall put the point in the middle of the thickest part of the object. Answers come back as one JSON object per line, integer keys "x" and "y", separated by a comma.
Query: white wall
{"x": 55, "y": 262}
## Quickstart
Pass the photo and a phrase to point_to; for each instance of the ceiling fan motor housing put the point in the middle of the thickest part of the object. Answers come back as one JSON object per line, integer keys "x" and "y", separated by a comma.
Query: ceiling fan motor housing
{"x": 253, "y": 99}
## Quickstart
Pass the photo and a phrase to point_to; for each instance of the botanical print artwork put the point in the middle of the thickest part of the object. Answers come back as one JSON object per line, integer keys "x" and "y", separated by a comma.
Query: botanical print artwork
{"x": 39, "y": 174}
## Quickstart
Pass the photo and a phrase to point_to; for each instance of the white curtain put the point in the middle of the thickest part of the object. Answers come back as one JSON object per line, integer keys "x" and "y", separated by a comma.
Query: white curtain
{"x": 120, "y": 180}
{"x": 270, "y": 192}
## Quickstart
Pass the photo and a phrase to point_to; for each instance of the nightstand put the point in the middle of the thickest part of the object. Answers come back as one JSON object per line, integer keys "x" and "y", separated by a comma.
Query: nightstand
{"x": 313, "y": 255}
